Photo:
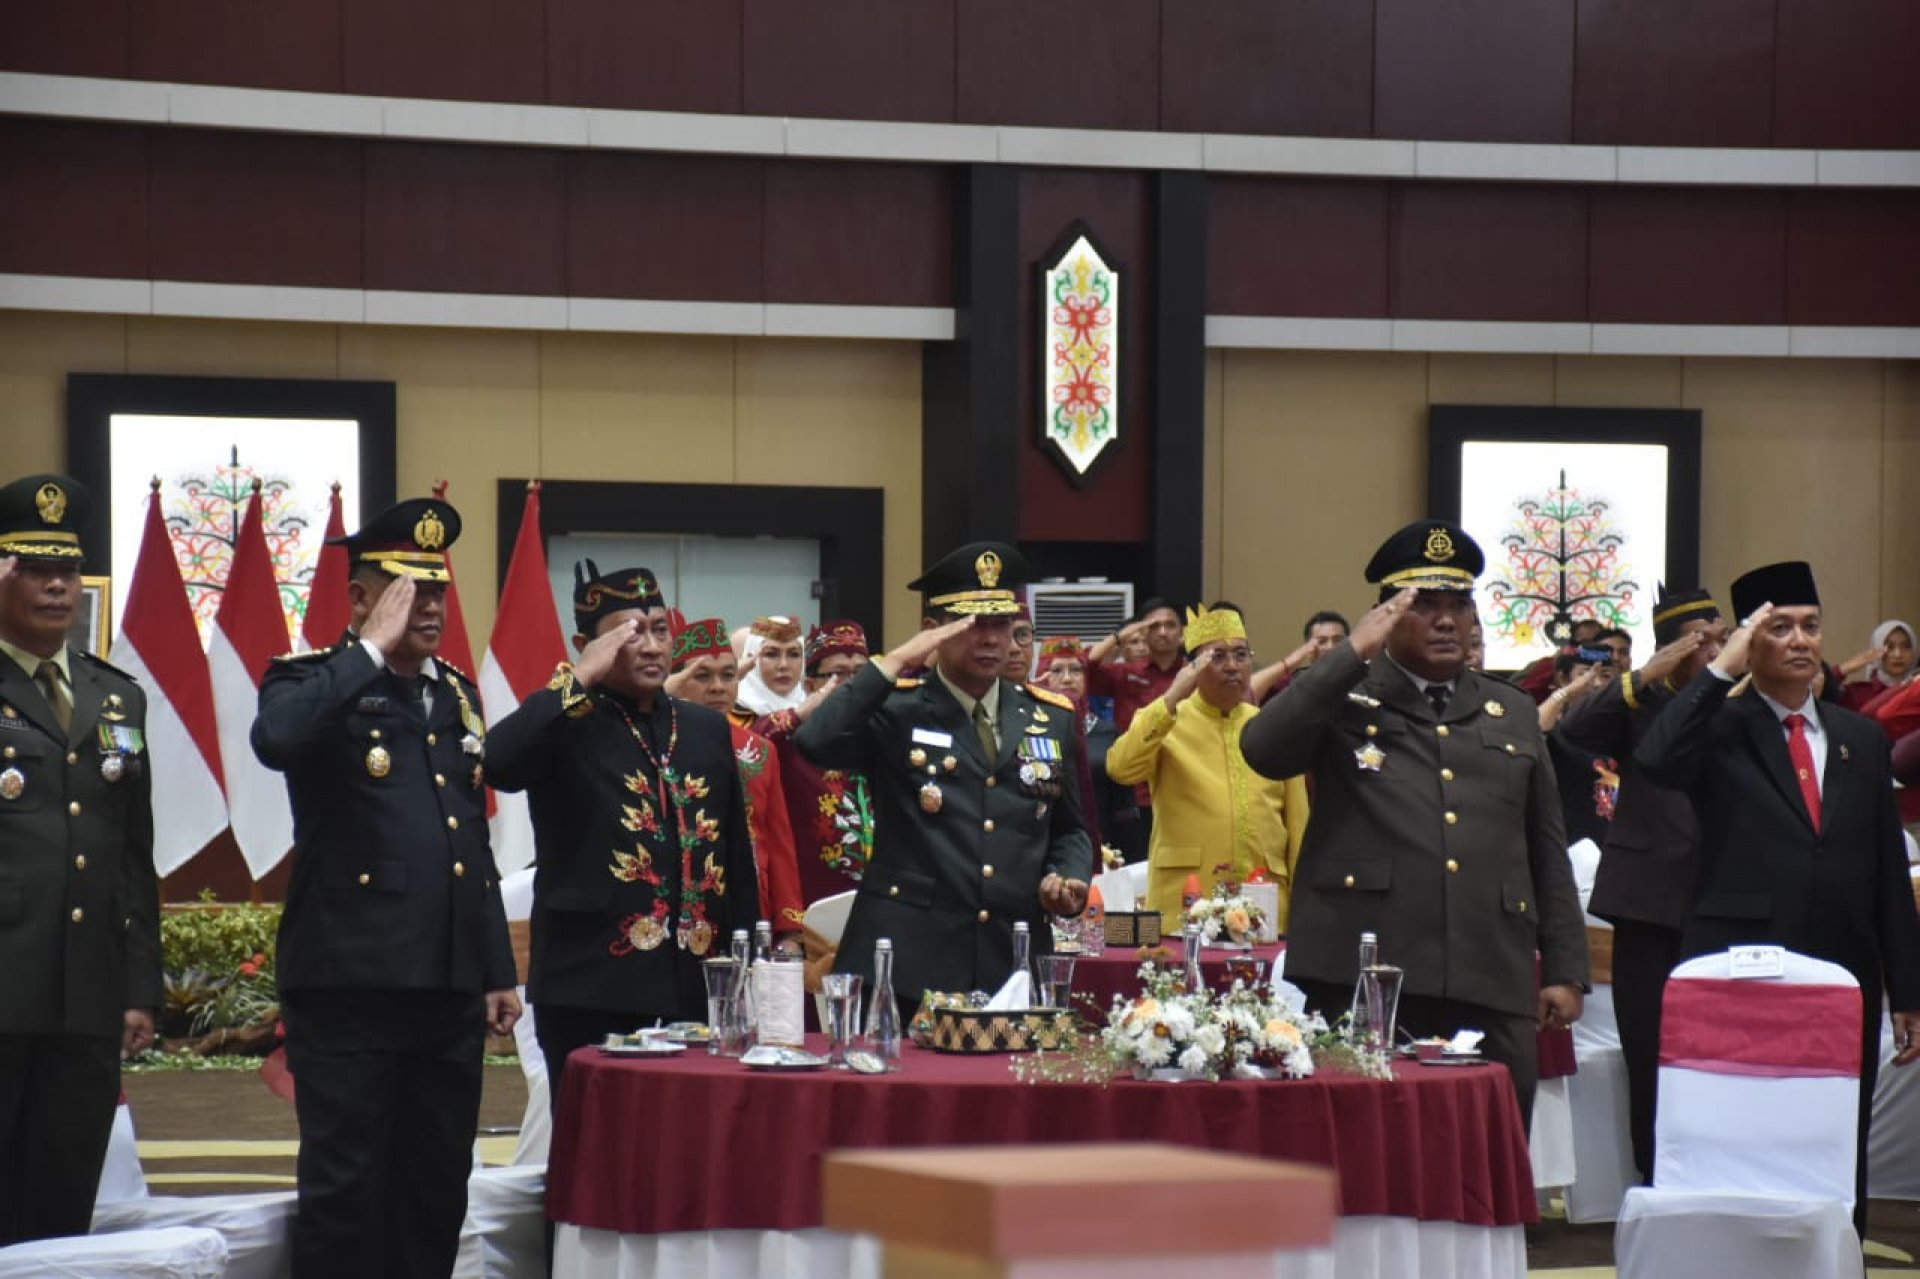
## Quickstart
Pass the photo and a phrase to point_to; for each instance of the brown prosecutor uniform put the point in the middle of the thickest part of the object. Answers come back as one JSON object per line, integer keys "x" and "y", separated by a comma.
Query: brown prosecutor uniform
{"x": 1440, "y": 833}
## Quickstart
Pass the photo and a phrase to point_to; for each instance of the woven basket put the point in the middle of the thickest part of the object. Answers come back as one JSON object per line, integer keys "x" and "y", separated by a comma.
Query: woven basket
{"x": 976, "y": 1030}
{"x": 1133, "y": 927}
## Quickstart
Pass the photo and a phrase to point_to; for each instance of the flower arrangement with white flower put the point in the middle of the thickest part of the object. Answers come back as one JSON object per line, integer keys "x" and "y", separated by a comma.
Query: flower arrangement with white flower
{"x": 1227, "y": 913}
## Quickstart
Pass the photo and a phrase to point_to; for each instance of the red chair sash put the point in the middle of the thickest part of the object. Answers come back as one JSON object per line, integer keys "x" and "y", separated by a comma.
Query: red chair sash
{"x": 1770, "y": 1028}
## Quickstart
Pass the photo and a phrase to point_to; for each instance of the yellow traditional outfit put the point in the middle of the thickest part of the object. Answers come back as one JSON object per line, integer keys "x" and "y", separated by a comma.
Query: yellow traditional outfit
{"x": 1212, "y": 815}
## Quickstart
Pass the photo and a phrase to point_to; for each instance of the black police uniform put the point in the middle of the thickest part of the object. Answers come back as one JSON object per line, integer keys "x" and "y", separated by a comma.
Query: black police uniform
{"x": 79, "y": 904}
{"x": 393, "y": 932}
{"x": 961, "y": 841}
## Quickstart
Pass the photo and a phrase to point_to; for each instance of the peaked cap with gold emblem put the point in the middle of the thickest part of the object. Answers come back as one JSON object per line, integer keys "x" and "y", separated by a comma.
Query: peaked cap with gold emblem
{"x": 1431, "y": 555}
{"x": 410, "y": 539}
{"x": 980, "y": 578}
{"x": 41, "y": 517}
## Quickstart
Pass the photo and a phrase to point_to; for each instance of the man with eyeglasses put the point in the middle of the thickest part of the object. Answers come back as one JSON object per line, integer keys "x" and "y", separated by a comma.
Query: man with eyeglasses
{"x": 1217, "y": 818}
{"x": 1437, "y": 822}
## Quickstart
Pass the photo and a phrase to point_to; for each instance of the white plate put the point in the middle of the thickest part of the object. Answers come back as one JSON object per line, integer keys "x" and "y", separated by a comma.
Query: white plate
{"x": 772, "y": 1058}
{"x": 656, "y": 1049}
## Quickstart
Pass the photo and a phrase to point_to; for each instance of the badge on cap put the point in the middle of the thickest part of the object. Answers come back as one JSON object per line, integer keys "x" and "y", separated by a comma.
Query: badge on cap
{"x": 51, "y": 502}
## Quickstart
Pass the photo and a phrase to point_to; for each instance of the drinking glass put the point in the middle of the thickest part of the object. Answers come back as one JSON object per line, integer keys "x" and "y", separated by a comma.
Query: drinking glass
{"x": 843, "y": 1015}
{"x": 1380, "y": 986}
{"x": 1245, "y": 969}
{"x": 723, "y": 989}
{"x": 1056, "y": 981}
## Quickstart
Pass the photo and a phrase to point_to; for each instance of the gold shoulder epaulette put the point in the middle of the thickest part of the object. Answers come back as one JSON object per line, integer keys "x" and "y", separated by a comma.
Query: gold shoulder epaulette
{"x": 913, "y": 682}
{"x": 457, "y": 671}
{"x": 1048, "y": 695}
{"x": 104, "y": 665}
{"x": 308, "y": 656}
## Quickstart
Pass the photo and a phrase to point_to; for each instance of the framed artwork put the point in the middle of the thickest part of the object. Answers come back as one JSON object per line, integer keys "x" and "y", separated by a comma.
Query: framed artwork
{"x": 1582, "y": 513}
{"x": 1080, "y": 311}
{"x": 92, "y": 628}
{"x": 207, "y": 440}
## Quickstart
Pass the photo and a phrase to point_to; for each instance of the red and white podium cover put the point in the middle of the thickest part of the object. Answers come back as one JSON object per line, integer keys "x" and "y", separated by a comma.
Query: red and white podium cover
{"x": 1754, "y": 1138}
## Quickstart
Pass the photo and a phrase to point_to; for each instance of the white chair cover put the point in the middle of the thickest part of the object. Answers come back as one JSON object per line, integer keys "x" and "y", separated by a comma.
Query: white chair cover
{"x": 258, "y": 1229}
{"x": 1893, "y": 1141}
{"x": 505, "y": 1233}
{"x": 120, "y": 1176}
{"x": 1585, "y": 856}
{"x": 516, "y": 894}
{"x": 1758, "y": 1167}
{"x": 175, "y": 1252}
{"x": 1550, "y": 1141}
{"x": 536, "y": 1125}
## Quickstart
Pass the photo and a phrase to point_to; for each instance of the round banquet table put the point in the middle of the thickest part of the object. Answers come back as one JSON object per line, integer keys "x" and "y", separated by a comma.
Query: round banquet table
{"x": 696, "y": 1143}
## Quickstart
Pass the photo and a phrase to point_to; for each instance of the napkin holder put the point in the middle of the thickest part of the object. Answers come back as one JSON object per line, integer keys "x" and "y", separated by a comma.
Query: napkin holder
{"x": 1133, "y": 927}
{"x": 981, "y": 1030}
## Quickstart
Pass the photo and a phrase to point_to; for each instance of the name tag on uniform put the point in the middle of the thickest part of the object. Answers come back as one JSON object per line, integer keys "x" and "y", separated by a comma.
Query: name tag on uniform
{"x": 1756, "y": 961}
{"x": 932, "y": 737}
{"x": 372, "y": 706}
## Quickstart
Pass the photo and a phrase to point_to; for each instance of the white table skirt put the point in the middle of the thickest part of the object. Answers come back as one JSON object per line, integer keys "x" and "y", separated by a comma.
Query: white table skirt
{"x": 1364, "y": 1248}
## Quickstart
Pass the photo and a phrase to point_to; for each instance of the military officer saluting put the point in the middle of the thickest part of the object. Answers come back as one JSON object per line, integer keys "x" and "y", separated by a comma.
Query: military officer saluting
{"x": 79, "y": 906}
{"x": 975, "y": 787}
{"x": 1436, "y": 821}
{"x": 393, "y": 959}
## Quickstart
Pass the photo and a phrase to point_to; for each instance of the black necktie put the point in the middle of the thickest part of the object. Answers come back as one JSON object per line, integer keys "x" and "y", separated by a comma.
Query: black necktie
{"x": 1438, "y": 695}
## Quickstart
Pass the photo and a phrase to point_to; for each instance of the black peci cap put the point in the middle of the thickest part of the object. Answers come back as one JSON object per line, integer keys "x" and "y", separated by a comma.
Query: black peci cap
{"x": 597, "y": 594}
{"x": 1674, "y": 609}
{"x": 1788, "y": 583}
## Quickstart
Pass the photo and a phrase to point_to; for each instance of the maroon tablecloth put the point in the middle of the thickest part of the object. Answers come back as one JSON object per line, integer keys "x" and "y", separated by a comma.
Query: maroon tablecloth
{"x": 1116, "y": 972}
{"x": 701, "y": 1143}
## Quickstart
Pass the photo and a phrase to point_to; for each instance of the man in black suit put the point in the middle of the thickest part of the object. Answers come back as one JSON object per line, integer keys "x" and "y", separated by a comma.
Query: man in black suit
{"x": 975, "y": 788}
{"x": 79, "y": 908}
{"x": 644, "y": 865}
{"x": 1799, "y": 835}
{"x": 393, "y": 958}
{"x": 1646, "y": 870}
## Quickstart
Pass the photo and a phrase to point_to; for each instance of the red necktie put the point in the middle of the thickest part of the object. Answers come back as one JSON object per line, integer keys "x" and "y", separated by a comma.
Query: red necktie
{"x": 1802, "y": 756}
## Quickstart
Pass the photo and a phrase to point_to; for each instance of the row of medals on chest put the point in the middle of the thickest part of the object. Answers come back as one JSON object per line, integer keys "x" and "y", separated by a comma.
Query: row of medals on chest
{"x": 1037, "y": 758}
{"x": 119, "y": 745}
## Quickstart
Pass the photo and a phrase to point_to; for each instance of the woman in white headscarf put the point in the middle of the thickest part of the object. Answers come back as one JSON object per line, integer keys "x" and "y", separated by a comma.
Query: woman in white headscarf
{"x": 772, "y": 665}
{"x": 1888, "y": 662}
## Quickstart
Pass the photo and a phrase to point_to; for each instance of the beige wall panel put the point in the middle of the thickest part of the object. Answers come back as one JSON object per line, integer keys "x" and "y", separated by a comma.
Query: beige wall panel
{"x": 1594, "y": 381}
{"x": 1323, "y": 455}
{"x": 1789, "y": 455}
{"x": 636, "y": 407}
{"x": 469, "y": 413}
{"x": 231, "y": 348}
{"x": 1212, "y": 508}
{"x": 1490, "y": 379}
{"x": 840, "y": 413}
{"x": 37, "y": 351}
{"x": 1900, "y": 495}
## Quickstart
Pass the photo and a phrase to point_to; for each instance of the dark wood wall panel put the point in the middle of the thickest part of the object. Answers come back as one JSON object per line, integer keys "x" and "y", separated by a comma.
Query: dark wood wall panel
{"x": 488, "y": 50}
{"x": 287, "y": 44}
{"x": 865, "y": 234}
{"x": 863, "y": 59}
{"x": 1662, "y": 256}
{"x": 87, "y": 214}
{"x": 1113, "y": 505}
{"x": 1267, "y": 66}
{"x": 1490, "y": 252}
{"x": 686, "y": 228}
{"x": 243, "y": 208}
{"x": 1656, "y": 73}
{"x": 656, "y": 55}
{"x": 1853, "y": 257}
{"x": 1059, "y": 63}
{"x": 1487, "y": 70}
{"x": 465, "y": 219}
{"x": 1846, "y": 74}
{"x": 1297, "y": 247}
{"x": 69, "y": 37}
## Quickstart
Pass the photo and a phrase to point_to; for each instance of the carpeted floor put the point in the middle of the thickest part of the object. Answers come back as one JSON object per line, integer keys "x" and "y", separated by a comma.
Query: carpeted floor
{"x": 219, "y": 1132}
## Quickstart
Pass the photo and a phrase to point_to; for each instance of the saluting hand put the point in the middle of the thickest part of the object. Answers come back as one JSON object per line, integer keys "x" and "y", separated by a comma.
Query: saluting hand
{"x": 816, "y": 697}
{"x": 1185, "y": 680}
{"x": 599, "y": 656}
{"x": 1369, "y": 636}
{"x": 386, "y": 625}
{"x": 1732, "y": 661}
{"x": 924, "y": 644}
{"x": 1671, "y": 657}
{"x": 6, "y": 568}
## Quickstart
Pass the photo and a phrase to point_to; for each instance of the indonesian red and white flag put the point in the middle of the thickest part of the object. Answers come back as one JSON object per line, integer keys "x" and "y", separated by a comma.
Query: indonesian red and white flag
{"x": 159, "y": 645}
{"x": 328, "y": 611}
{"x": 249, "y": 631}
{"x": 525, "y": 647}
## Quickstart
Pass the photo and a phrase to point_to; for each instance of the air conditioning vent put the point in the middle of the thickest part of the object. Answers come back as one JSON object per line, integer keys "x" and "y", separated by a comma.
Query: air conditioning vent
{"x": 1089, "y": 611}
